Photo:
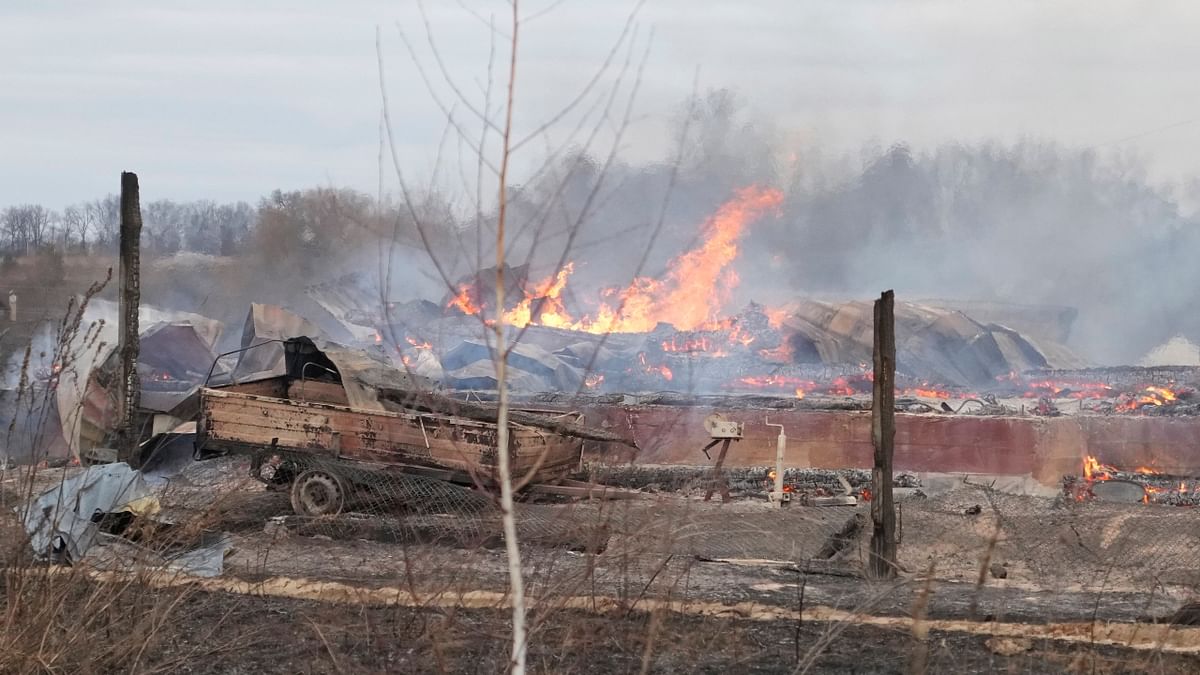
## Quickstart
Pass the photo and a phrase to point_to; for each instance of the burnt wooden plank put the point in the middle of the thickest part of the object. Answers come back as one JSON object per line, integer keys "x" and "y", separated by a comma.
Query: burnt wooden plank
{"x": 320, "y": 392}
{"x": 274, "y": 386}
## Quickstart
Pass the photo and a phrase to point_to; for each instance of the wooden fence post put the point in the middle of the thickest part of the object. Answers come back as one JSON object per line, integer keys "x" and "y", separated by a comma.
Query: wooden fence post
{"x": 883, "y": 436}
{"x": 130, "y": 300}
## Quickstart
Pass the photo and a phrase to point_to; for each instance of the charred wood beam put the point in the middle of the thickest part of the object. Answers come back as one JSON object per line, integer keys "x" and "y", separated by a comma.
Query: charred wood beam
{"x": 435, "y": 403}
{"x": 883, "y": 435}
{"x": 130, "y": 300}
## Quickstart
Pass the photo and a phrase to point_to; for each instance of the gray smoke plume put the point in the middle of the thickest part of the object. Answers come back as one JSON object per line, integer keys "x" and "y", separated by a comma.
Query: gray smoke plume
{"x": 1029, "y": 222}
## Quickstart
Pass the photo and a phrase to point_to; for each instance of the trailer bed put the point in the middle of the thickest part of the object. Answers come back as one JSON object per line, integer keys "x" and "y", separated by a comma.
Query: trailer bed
{"x": 235, "y": 421}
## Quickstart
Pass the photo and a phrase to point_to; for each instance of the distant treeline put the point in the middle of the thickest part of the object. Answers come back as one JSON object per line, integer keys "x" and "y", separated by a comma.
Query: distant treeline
{"x": 288, "y": 222}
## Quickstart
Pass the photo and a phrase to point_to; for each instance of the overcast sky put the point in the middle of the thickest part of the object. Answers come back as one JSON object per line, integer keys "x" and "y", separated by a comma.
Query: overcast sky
{"x": 215, "y": 100}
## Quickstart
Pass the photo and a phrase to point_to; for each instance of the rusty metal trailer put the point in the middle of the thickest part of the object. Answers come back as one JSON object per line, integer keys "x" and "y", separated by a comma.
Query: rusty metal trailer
{"x": 323, "y": 450}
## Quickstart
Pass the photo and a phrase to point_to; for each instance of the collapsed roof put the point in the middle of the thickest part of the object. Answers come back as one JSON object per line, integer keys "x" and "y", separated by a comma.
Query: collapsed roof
{"x": 176, "y": 352}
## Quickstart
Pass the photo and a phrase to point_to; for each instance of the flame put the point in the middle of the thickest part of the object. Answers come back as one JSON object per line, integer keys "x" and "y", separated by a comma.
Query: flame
{"x": 675, "y": 344}
{"x": 1093, "y": 470}
{"x": 547, "y": 295}
{"x": 781, "y": 354}
{"x": 697, "y": 282}
{"x": 926, "y": 393}
{"x": 378, "y": 338}
{"x": 1064, "y": 389}
{"x": 799, "y": 393}
{"x": 776, "y": 316}
{"x": 661, "y": 370}
{"x": 1151, "y": 395}
{"x": 418, "y": 345}
{"x": 593, "y": 380}
{"x": 738, "y": 335}
{"x": 464, "y": 301}
{"x": 771, "y": 479}
{"x": 689, "y": 296}
{"x": 840, "y": 387}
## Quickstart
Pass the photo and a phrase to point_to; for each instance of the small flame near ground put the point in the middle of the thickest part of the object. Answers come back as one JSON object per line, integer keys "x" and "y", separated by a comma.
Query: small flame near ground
{"x": 1095, "y": 471}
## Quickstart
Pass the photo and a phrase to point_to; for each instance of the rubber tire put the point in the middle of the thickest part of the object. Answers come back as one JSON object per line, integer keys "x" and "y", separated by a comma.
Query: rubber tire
{"x": 306, "y": 501}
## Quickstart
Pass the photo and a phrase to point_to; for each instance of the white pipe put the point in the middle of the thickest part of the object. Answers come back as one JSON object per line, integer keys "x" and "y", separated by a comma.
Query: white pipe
{"x": 780, "y": 450}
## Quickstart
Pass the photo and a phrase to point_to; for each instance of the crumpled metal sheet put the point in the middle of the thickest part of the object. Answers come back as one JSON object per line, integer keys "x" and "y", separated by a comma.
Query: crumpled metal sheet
{"x": 263, "y": 354}
{"x": 207, "y": 560}
{"x": 82, "y": 407}
{"x": 61, "y": 520}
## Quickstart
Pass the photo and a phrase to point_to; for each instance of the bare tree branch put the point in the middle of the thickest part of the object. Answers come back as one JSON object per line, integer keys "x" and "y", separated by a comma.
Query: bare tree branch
{"x": 516, "y": 582}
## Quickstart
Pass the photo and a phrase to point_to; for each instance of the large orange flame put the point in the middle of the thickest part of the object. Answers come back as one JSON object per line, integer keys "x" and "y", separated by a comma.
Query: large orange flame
{"x": 697, "y": 283}
{"x": 689, "y": 296}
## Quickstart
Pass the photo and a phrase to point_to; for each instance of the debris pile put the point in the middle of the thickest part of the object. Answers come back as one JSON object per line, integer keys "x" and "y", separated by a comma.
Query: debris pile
{"x": 1141, "y": 484}
{"x": 744, "y": 482}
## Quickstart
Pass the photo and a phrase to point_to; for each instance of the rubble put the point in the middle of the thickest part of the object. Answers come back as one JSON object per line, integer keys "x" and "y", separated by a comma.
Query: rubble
{"x": 62, "y": 522}
{"x": 175, "y": 356}
{"x": 744, "y": 482}
{"x": 1147, "y": 485}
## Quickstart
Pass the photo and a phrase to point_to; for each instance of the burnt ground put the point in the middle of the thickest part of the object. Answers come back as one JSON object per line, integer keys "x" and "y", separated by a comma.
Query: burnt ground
{"x": 735, "y": 573}
{"x": 293, "y": 636}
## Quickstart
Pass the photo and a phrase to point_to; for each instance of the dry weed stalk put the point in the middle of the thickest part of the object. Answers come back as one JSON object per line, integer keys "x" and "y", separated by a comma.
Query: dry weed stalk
{"x": 64, "y": 618}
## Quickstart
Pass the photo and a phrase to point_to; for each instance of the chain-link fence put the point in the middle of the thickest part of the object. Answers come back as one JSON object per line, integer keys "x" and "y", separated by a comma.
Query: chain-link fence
{"x": 964, "y": 534}
{"x": 1052, "y": 543}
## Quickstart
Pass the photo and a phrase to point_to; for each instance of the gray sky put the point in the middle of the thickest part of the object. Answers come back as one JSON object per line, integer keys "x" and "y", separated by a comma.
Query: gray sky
{"x": 214, "y": 100}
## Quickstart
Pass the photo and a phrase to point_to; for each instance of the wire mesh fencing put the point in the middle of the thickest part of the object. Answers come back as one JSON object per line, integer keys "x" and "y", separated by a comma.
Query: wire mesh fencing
{"x": 1052, "y": 544}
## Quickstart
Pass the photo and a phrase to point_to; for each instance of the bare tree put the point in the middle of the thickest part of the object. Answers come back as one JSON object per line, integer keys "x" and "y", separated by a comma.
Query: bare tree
{"x": 78, "y": 220}
{"x": 108, "y": 220}
{"x": 486, "y": 133}
{"x": 27, "y": 227}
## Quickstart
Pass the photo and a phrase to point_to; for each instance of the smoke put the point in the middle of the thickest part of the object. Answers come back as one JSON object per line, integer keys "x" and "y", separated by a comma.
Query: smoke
{"x": 1029, "y": 222}
{"x": 42, "y": 354}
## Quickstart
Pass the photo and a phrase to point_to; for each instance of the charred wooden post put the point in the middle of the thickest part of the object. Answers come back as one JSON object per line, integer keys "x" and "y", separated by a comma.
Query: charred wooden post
{"x": 130, "y": 300}
{"x": 883, "y": 434}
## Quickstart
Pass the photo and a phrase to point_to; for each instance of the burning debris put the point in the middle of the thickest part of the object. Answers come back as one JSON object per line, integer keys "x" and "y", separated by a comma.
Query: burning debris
{"x": 689, "y": 296}
{"x": 1145, "y": 484}
{"x": 672, "y": 331}
{"x": 1153, "y": 397}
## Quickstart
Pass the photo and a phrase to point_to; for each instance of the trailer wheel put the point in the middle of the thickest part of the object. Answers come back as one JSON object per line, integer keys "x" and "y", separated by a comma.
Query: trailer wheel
{"x": 318, "y": 493}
